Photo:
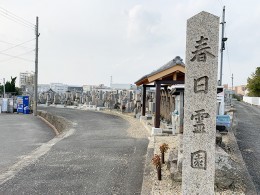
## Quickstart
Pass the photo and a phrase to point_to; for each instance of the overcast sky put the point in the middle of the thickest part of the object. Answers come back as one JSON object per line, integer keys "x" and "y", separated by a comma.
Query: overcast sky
{"x": 87, "y": 41}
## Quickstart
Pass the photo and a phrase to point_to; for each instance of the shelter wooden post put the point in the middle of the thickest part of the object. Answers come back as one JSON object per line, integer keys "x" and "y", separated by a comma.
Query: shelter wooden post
{"x": 172, "y": 73}
{"x": 181, "y": 111}
{"x": 144, "y": 100}
{"x": 157, "y": 105}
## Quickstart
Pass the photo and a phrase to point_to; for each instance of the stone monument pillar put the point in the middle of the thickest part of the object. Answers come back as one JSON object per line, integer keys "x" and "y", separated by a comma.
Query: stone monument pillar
{"x": 200, "y": 104}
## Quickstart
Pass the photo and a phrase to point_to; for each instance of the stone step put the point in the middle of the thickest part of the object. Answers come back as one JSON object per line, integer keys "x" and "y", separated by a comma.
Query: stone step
{"x": 168, "y": 131}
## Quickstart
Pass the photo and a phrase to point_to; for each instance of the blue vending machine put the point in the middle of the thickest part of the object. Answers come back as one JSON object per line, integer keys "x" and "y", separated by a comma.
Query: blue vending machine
{"x": 19, "y": 104}
{"x": 26, "y": 105}
{"x": 23, "y": 104}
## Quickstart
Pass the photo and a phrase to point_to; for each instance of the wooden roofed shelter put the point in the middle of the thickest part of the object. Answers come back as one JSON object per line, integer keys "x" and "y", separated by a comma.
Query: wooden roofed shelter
{"x": 169, "y": 74}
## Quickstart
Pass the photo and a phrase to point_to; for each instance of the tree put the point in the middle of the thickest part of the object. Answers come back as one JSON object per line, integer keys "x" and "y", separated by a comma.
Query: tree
{"x": 10, "y": 87}
{"x": 253, "y": 84}
{"x": 1, "y": 89}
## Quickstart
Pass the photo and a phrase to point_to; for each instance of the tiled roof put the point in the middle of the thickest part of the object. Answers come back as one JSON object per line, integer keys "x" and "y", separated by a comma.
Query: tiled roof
{"x": 176, "y": 61}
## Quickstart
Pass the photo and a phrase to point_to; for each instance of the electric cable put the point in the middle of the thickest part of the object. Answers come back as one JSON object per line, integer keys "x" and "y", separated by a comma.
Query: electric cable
{"x": 17, "y": 56}
{"x": 17, "y": 45}
{"x": 10, "y": 14}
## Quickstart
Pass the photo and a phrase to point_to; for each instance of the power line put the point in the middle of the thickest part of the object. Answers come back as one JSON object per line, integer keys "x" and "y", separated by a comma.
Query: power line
{"x": 17, "y": 57}
{"x": 16, "y": 21}
{"x": 228, "y": 60}
{"x": 6, "y": 12}
{"x": 221, "y": 5}
{"x": 13, "y": 15}
{"x": 1, "y": 41}
{"x": 6, "y": 42}
{"x": 18, "y": 45}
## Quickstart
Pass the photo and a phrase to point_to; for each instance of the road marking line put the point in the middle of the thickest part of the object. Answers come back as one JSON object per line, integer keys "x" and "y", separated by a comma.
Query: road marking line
{"x": 26, "y": 160}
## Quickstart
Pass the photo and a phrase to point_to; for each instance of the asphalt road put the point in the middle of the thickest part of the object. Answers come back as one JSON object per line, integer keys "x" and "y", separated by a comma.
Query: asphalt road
{"x": 248, "y": 137}
{"x": 99, "y": 158}
{"x": 19, "y": 135}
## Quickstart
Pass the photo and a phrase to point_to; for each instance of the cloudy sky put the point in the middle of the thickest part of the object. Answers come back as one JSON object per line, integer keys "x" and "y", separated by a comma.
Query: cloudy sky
{"x": 87, "y": 41}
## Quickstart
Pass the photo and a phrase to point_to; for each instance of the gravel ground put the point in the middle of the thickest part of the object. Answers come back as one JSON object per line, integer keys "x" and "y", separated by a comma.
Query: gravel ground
{"x": 166, "y": 185}
{"x": 135, "y": 130}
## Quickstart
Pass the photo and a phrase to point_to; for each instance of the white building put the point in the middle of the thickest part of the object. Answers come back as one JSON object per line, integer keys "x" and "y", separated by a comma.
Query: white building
{"x": 59, "y": 87}
{"x": 75, "y": 88}
{"x": 26, "y": 81}
{"x": 87, "y": 88}
{"x": 26, "y": 78}
{"x": 43, "y": 88}
{"x": 122, "y": 86}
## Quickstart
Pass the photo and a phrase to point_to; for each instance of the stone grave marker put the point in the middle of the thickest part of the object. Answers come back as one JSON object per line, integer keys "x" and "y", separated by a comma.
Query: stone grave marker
{"x": 200, "y": 103}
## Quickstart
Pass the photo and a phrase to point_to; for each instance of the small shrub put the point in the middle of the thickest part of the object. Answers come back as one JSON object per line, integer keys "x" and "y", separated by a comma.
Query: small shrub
{"x": 156, "y": 161}
{"x": 164, "y": 147}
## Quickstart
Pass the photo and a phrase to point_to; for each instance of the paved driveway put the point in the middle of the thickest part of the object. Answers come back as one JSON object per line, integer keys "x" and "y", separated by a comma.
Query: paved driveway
{"x": 19, "y": 135}
{"x": 99, "y": 158}
{"x": 248, "y": 137}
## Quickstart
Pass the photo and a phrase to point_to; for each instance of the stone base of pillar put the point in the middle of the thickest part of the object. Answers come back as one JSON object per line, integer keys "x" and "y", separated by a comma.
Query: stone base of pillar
{"x": 146, "y": 117}
{"x": 100, "y": 108}
{"x": 156, "y": 131}
{"x": 142, "y": 118}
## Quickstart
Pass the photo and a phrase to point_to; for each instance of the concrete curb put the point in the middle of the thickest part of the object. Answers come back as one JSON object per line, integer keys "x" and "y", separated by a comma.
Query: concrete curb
{"x": 57, "y": 123}
{"x": 147, "y": 185}
{"x": 250, "y": 188}
{"x": 49, "y": 124}
{"x": 148, "y": 168}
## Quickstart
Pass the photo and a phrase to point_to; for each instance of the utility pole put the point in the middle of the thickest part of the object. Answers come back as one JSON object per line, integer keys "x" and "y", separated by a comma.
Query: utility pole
{"x": 232, "y": 81}
{"x": 222, "y": 44}
{"x": 4, "y": 86}
{"x": 36, "y": 69}
{"x": 231, "y": 103}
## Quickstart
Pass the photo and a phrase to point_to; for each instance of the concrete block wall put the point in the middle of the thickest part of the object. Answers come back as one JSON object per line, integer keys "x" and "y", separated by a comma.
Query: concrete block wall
{"x": 252, "y": 100}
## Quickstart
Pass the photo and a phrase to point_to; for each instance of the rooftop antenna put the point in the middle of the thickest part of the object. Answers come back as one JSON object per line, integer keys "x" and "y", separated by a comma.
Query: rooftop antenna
{"x": 111, "y": 81}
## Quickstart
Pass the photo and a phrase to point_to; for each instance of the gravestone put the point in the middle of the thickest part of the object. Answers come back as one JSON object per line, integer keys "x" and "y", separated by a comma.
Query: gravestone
{"x": 87, "y": 100}
{"x": 200, "y": 102}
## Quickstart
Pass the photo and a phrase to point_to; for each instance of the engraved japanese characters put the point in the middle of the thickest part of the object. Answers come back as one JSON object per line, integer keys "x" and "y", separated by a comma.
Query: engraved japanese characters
{"x": 200, "y": 100}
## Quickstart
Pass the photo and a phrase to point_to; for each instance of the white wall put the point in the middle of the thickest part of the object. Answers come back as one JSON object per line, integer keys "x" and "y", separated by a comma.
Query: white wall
{"x": 252, "y": 100}
{"x": 59, "y": 87}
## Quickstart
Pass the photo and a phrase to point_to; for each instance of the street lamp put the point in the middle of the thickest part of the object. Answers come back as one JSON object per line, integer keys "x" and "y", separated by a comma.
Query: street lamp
{"x": 4, "y": 86}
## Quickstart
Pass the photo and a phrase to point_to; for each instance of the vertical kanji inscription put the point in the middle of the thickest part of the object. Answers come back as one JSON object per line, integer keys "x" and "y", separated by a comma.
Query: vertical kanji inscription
{"x": 201, "y": 52}
{"x": 199, "y": 160}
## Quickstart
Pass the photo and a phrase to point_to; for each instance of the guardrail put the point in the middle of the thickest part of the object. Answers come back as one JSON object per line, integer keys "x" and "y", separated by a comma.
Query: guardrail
{"x": 252, "y": 100}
